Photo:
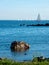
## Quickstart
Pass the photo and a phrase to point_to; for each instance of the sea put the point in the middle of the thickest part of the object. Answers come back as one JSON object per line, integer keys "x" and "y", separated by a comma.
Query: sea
{"x": 17, "y": 30}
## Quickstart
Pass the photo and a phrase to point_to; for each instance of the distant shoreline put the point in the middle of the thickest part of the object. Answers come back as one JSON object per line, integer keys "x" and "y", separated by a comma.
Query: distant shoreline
{"x": 47, "y": 24}
{"x": 39, "y": 24}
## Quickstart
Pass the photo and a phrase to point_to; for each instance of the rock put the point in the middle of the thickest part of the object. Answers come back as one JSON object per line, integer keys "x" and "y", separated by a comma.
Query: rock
{"x": 0, "y": 58}
{"x": 22, "y": 24}
{"x": 25, "y": 54}
{"x": 39, "y": 59}
{"x": 19, "y": 46}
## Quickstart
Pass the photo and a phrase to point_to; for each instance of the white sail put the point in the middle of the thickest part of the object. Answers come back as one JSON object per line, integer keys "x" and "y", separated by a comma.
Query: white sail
{"x": 38, "y": 18}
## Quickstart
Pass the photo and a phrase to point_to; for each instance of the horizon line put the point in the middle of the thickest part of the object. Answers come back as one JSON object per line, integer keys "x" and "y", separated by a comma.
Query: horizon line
{"x": 23, "y": 19}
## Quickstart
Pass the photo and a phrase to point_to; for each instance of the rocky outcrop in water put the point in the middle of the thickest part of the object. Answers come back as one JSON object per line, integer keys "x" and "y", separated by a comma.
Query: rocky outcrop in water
{"x": 19, "y": 46}
{"x": 47, "y": 24}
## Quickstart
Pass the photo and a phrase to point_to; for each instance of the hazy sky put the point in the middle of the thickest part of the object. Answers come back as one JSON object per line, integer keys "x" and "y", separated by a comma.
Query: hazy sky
{"x": 24, "y": 9}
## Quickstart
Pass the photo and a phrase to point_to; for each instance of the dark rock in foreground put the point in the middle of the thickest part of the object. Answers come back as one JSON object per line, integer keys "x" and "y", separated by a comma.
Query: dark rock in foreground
{"x": 40, "y": 59}
{"x": 19, "y": 46}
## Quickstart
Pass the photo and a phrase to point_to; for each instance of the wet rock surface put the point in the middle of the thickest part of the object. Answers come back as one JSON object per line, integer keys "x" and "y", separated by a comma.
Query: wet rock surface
{"x": 19, "y": 46}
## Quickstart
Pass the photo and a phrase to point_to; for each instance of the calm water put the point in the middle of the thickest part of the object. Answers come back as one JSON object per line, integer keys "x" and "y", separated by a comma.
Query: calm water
{"x": 36, "y": 37}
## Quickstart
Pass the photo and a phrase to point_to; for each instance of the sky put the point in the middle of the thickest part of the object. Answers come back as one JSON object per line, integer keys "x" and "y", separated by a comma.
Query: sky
{"x": 24, "y": 9}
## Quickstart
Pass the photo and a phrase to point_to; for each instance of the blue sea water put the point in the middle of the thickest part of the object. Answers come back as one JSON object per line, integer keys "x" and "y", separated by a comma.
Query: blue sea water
{"x": 36, "y": 36}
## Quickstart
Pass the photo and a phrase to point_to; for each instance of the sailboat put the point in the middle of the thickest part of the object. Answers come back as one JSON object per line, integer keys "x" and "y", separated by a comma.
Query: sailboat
{"x": 38, "y": 18}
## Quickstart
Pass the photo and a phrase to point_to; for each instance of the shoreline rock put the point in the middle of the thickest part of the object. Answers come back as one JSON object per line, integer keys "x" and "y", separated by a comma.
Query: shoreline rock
{"x": 40, "y": 59}
{"x": 19, "y": 46}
